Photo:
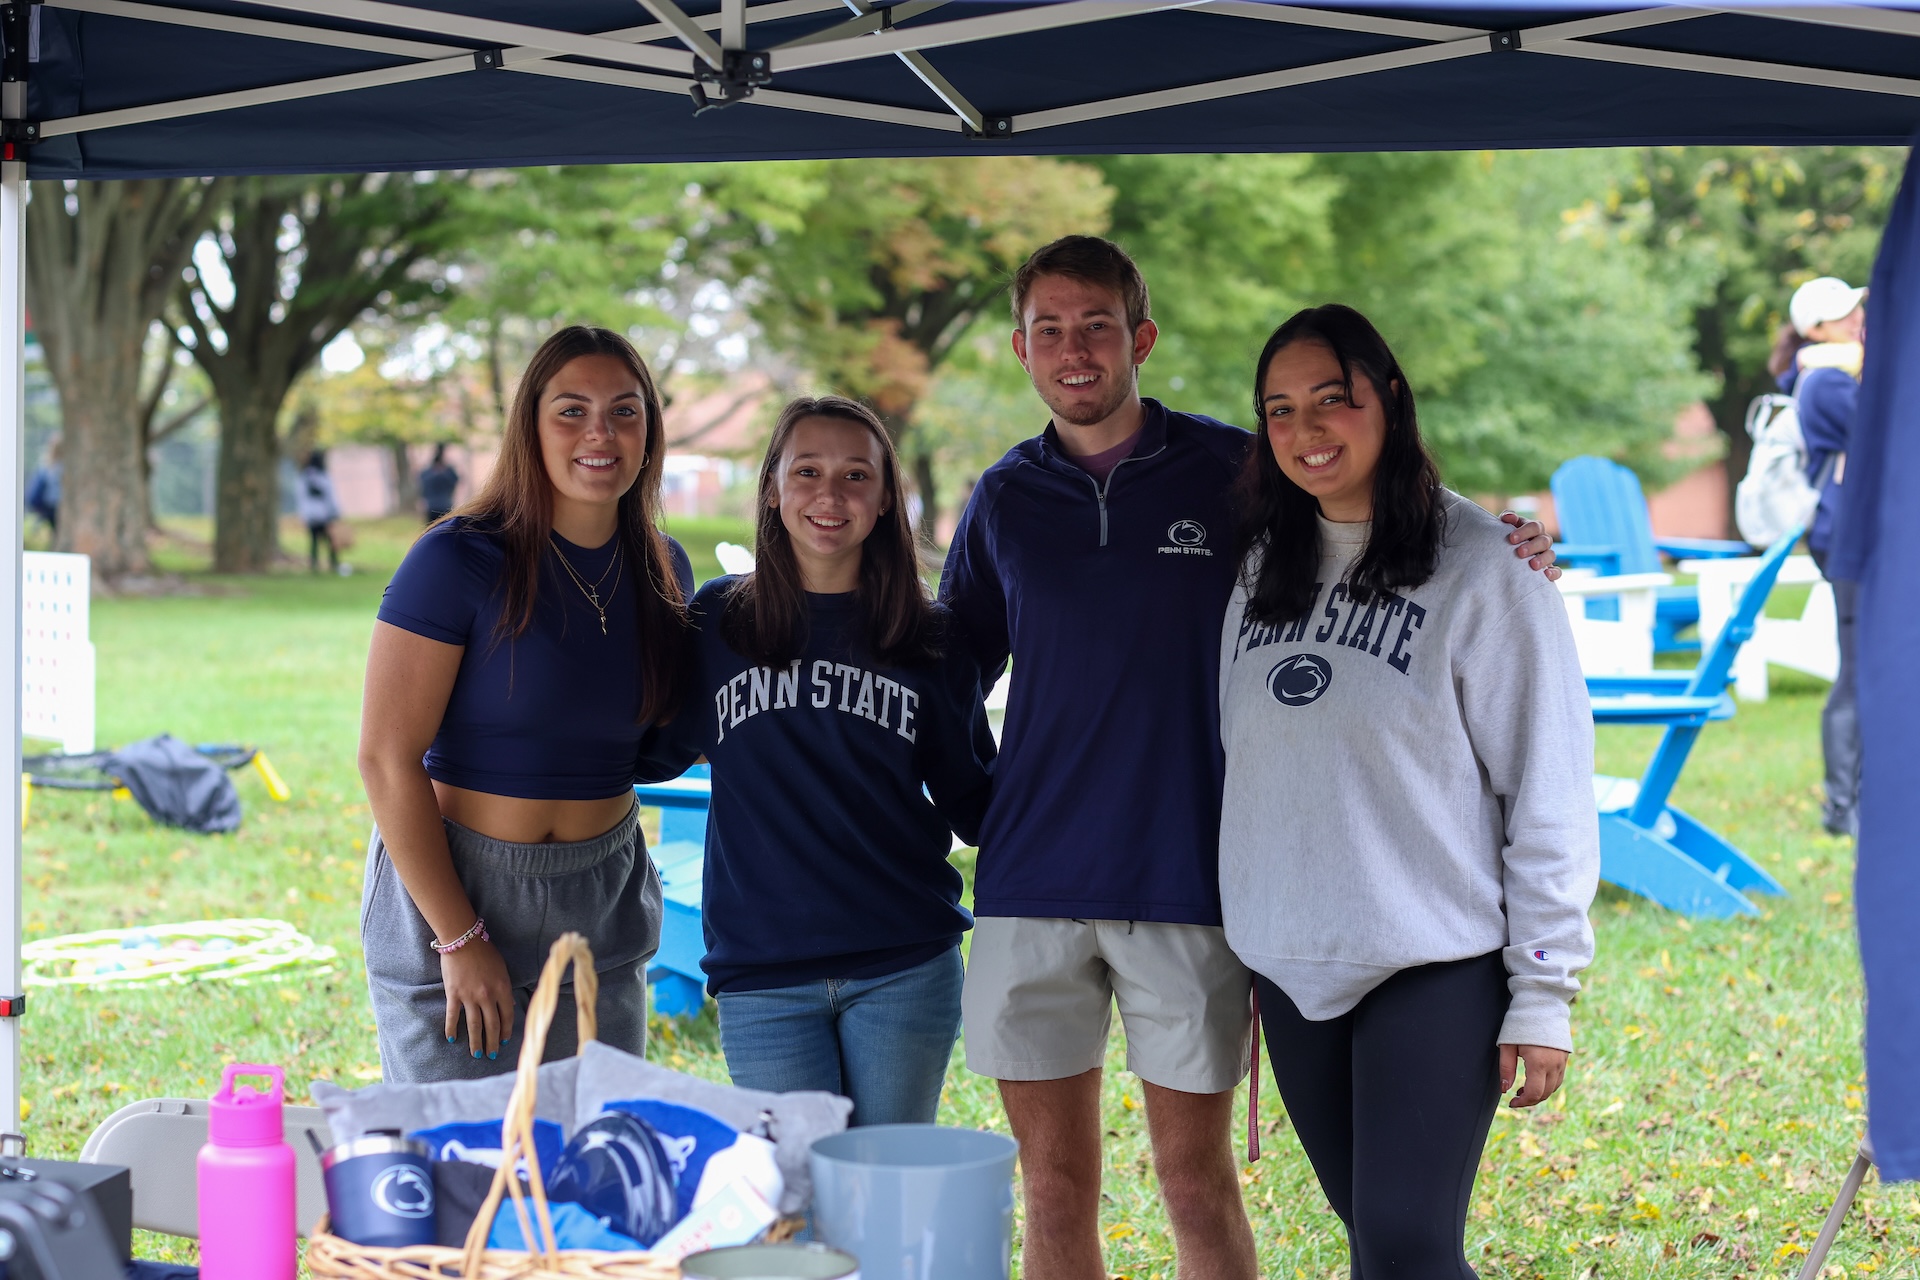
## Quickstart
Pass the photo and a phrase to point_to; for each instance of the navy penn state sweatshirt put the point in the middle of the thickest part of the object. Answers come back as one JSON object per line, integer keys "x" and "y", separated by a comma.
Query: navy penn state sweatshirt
{"x": 1108, "y": 599}
{"x": 826, "y": 857}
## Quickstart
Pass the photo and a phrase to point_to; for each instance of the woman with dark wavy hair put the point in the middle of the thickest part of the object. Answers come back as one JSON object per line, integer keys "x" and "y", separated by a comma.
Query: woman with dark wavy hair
{"x": 1408, "y": 843}
{"x": 523, "y": 647}
{"x": 848, "y": 741}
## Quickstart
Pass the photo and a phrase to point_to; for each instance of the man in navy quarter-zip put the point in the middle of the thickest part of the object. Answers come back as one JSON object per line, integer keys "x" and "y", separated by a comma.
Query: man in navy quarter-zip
{"x": 1098, "y": 556}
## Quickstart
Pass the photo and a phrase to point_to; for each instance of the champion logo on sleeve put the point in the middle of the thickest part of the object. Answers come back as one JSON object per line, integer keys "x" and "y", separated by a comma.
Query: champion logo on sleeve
{"x": 1539, "y": 955}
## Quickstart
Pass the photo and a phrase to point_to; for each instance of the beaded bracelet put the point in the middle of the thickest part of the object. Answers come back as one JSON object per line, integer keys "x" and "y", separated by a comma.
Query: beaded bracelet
{"x": 479, "y": 931}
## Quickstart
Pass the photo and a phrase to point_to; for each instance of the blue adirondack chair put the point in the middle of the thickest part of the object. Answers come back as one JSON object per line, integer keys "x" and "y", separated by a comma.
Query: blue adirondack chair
{"x": 679, "y": 985}
{"x": 1603, "y": 520}
{"x": 1647, "y": 846}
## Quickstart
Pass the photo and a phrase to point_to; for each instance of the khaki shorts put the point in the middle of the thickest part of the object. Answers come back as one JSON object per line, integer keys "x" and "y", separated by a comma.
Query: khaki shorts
{"x": 1040, "y": 993}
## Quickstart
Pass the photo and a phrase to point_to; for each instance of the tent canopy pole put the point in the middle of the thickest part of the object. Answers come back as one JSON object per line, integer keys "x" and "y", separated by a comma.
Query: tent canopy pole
{"x": 13, "y": 456}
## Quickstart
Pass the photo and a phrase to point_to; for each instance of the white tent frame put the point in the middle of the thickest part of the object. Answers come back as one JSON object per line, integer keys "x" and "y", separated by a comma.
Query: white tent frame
{"x": 673, "y": 54}
{"x": 639, "y": 60}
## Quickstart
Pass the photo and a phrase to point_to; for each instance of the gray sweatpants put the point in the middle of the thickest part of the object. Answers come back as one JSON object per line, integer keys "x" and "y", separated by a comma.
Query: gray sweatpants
{"x": 529, "y": 894}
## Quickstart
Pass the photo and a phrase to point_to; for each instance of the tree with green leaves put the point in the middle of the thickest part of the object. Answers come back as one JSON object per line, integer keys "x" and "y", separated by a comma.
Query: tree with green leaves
{"x": 627, "y": 248}
{"x": 889, "y": 265}
{"x": 1746, "y": 226}
{"x": 1532, "y": 331}
{"x": 102, "y": 260}
{"x": 303, "y": 258}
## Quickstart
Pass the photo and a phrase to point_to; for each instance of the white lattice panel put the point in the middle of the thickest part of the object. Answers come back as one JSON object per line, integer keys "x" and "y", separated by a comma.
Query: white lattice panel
{"x": 56, "y": 657}
{"x": 55, "y": 592}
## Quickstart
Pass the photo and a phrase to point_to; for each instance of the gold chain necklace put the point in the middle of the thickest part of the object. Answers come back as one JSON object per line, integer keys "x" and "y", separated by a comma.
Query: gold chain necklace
{"x": 592, "y": 593}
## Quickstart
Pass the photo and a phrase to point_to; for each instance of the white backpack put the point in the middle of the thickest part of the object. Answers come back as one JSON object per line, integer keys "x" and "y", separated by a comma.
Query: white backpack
{"x": 1774, "y": 496}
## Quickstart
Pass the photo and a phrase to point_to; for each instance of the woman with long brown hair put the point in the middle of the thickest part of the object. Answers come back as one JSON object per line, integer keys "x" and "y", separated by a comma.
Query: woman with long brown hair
{"x": 847, "y": 737}
{"x": 523, "y": 647}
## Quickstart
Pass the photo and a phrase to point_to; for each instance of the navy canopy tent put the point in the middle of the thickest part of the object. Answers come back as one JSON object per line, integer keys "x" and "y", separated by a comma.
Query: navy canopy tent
{"x": 124, "y": 89}
{"x": 1879, "y": 520}
{"x": 142, "y": 88}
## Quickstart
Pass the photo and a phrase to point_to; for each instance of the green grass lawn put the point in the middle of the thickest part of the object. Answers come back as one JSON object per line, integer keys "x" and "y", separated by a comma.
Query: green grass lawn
{"x": 1711, "y": 1111}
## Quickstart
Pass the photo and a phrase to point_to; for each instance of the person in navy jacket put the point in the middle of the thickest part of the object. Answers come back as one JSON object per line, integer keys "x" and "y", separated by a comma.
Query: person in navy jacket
{"x": 1818, "y": 361}
{"x": 1098, "y": 558}
{"x": 848, "y": 740}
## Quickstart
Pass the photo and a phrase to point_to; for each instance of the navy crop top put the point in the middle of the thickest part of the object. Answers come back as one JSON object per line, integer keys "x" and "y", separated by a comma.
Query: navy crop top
{"x": 551, "y": 715}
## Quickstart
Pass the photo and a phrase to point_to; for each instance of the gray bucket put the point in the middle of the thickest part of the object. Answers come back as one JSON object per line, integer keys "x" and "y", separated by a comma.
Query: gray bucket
{"x": 917, "y": 1201}
{"x": 771, "y": 1262}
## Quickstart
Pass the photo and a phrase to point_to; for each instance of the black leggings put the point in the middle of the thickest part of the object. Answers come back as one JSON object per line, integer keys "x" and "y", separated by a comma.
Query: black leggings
{"x": 1392, "y": 1101}
{"x": 319, "y": 535}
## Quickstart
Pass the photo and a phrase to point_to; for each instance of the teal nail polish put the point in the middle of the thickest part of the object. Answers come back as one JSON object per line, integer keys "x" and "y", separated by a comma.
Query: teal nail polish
{"x": 492, "y": 1056}
{"x": 449, "y": 1039}
{"x": 476, "y": 1053}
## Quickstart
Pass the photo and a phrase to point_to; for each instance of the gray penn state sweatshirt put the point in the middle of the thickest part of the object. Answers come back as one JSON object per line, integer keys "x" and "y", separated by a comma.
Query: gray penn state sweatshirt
{"x": 1411, "y": 781}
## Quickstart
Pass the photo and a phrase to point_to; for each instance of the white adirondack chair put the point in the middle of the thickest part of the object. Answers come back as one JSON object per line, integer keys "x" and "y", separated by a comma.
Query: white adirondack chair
{"x": 1608, "y": 647}
{"x": 1808, "y": 643}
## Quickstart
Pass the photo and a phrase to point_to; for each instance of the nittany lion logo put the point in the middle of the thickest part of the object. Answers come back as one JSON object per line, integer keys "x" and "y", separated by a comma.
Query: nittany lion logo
{"x": 1299, "y": 679}
{"x": 1186, "y": 533}
{"x": 404, "y": 1192}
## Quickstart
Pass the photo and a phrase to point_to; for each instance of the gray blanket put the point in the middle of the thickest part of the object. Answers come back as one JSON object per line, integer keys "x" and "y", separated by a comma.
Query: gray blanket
{"x": 575, "y": 1090}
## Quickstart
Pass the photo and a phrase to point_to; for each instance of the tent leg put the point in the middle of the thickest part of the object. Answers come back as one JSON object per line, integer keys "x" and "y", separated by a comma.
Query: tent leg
{"x": 13, "y": 412}
{"x": 1830, "y": 1229}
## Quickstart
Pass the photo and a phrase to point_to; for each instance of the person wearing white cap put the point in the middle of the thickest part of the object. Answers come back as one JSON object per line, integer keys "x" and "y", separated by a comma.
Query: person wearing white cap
{"x": 1817, "y": 360}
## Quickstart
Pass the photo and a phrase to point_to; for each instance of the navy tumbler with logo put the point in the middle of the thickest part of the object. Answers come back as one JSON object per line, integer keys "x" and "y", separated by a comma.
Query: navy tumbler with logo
{"x": 380, "y": 1190}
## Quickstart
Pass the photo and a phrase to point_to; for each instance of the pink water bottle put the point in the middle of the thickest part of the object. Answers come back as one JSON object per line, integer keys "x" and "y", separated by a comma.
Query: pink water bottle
{"x": 246, "y": 1182}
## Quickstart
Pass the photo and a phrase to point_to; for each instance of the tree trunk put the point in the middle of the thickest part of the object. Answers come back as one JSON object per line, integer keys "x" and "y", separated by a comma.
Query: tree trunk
{"x": 1730, "y": 415}
{"x": 1738, "y": 385}
{"x": 103, "y": 499}
{"x": 246, "y": 525}
{"x": 406, "y": 484}
{"x": 355, "y": 251}
{"x": 101, "y": 260}
{"x": 923, "y": 480}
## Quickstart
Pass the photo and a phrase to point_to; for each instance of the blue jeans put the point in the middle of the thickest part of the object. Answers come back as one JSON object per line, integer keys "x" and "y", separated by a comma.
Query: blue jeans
{"x": 884, "y": 1042}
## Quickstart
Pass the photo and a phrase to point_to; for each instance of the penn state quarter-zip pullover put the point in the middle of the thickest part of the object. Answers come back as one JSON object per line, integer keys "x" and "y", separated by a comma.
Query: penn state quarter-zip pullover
{"x": 1411, "y": 781}
{"x": 1108, "y": 599}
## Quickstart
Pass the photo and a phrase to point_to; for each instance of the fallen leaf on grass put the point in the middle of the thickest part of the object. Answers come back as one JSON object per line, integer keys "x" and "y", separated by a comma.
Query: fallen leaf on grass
{"x": 1119, "y": 1231}
{"x": 1704, "y": 1240}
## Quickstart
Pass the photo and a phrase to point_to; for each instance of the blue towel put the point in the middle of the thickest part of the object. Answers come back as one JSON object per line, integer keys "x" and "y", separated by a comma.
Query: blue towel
{"x": 573, "y": 1228}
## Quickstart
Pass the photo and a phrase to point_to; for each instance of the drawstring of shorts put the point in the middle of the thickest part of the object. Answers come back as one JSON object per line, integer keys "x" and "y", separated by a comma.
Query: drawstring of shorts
{"x": 1253, "y": 1085}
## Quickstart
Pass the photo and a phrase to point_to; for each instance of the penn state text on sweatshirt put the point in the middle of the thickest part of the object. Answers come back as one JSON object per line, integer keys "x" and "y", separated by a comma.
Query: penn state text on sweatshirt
{"x": 825, "y": 856}
{"x": 1411, "y": 781}
{"x": 1108, "y": 599}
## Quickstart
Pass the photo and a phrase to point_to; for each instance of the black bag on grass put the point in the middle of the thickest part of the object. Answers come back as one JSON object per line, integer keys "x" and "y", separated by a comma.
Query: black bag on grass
{"x": 176, "y": 784}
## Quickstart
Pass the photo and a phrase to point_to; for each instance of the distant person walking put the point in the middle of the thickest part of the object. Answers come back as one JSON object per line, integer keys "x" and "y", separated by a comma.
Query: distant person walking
{"x": 43, "y": 487}
{"x": 437, "y": 485}
{"x": 1817, "y": 360}
{"x": 319, "y": 508}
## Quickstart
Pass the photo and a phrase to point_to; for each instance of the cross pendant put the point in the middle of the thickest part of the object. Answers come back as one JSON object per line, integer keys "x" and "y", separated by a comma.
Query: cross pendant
{"x": 593, "y": 596}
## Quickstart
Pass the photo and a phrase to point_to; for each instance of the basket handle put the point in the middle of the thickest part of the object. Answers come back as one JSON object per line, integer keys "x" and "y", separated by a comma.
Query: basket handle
{"x": 516, "y": 1127}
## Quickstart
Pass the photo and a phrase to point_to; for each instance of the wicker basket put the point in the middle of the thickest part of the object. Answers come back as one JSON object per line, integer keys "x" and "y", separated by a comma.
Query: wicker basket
{"x": 335, "y": 1259}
